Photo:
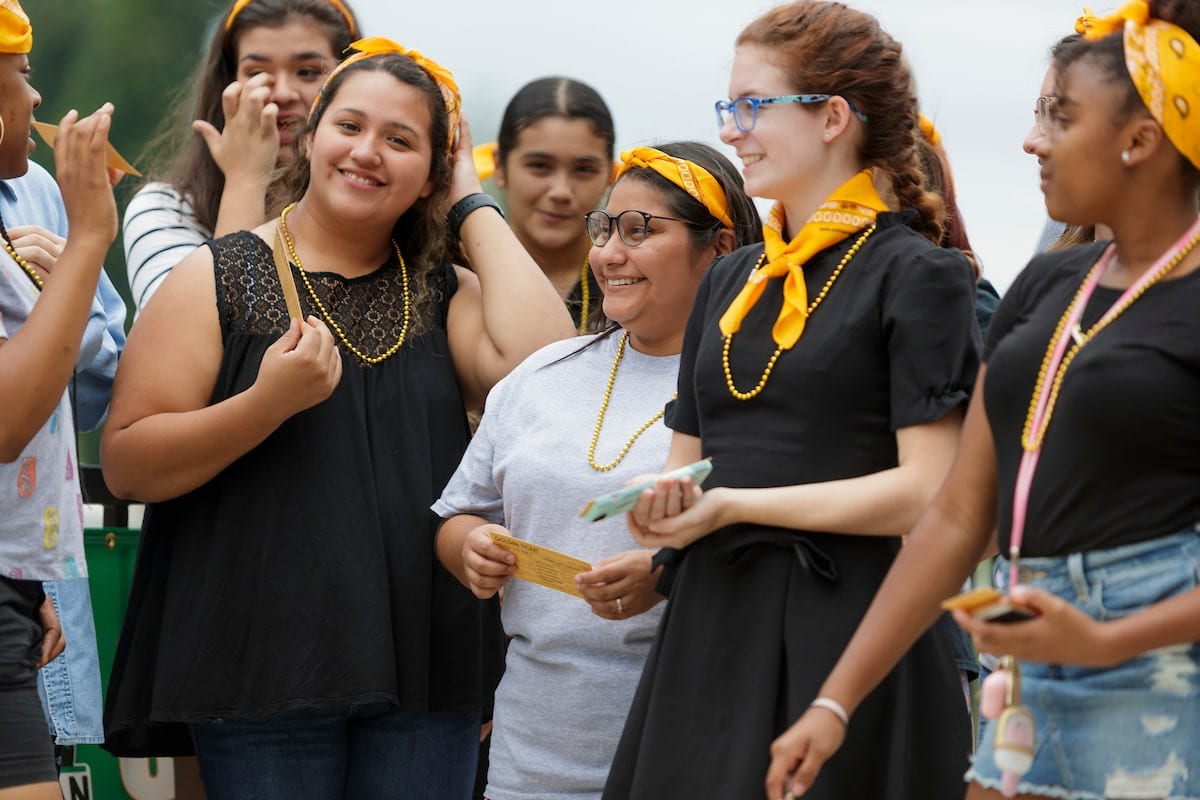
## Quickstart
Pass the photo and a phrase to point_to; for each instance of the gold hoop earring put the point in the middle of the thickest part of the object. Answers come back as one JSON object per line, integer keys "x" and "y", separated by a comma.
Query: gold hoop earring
{"x": 1, "y": 130}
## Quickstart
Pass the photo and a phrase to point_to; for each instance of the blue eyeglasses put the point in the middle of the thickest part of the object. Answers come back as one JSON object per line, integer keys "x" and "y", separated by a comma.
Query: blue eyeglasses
{"x": 744, "y": 110}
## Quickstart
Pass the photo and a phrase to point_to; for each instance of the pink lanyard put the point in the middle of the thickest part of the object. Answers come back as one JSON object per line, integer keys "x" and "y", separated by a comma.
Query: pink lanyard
{"x": 1029, "y": 458}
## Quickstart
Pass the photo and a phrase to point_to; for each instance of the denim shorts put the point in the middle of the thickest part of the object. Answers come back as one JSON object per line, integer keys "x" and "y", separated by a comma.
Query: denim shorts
{"x": 1129, "y": 731}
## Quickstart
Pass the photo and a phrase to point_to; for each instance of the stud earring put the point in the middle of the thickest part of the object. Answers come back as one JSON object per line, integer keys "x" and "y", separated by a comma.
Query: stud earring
{"x": 1124, "y": 156}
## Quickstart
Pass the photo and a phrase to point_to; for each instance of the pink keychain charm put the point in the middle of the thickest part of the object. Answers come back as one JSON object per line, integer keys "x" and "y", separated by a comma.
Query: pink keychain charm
{"x": 992, "y": 693}
{"x": 1016, "y": 731}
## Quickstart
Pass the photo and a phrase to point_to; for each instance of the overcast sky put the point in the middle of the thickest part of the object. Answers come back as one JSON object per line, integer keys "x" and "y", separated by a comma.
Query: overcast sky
{"x": 660, "y": 64}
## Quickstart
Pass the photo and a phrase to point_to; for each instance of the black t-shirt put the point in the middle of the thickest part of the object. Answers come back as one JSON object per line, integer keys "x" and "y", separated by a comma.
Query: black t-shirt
{"x": 1120, "y": 462}
{"x": 893, "y": 344}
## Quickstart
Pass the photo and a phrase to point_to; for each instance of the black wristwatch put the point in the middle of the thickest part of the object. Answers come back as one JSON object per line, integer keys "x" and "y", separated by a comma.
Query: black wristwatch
{"x": 463, "y": 208}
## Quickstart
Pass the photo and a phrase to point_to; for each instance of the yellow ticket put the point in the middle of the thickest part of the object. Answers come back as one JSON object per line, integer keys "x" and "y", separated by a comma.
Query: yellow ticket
{"x": 115, "y": 160}
{"x": 542, "y": 565}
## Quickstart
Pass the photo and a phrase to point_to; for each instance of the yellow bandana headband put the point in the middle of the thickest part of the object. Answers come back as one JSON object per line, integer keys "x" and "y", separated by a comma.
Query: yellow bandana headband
{"x": 16, "y": 34}
{"x": 929, "y": 130}
{"x": 484, "y": 156}
{"x": 1164, "y": 63}
{"x": 687, "y": 175}
{"x": 338, "y": 4}
{"x": 375, "y": 46}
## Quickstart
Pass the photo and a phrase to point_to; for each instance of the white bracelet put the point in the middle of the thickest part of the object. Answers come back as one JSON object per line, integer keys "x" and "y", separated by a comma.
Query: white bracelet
{"x": 832, "y": 706}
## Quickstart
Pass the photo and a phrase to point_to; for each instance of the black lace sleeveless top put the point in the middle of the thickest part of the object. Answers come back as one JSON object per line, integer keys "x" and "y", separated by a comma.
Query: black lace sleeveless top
{"x": 304, "y": 574}
{"x": 369, "y": 309}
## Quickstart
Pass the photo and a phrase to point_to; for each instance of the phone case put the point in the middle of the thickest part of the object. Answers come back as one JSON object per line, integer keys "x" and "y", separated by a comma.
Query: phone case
{"x": 625, "y": 499}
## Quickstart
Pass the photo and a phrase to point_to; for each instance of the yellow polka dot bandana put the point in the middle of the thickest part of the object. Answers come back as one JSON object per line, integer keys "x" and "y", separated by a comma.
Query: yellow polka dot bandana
{"x": 1164, "y": 62}
{"x": 16, "y": 34}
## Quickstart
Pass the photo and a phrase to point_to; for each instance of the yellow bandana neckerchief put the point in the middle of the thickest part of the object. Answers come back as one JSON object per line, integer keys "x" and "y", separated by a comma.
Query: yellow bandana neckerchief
{"x": 852, "y": 207}
{"x": 687, "y": 175}
{"x": 1164, "y": 63}
{"x": 338, "y": 4}
{"x": 374, "y": 46}
{"x": 16, "y": 34}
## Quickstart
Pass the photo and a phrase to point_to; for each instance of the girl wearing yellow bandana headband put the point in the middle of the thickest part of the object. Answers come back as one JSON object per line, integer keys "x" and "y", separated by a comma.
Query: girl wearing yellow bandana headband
{"x": 290, "y": 405}
{"x": 218, "y": 157}
{"x": 825, "y": 374}
{"x": 575, "y": 419}
{"x": 1078, "y": 458}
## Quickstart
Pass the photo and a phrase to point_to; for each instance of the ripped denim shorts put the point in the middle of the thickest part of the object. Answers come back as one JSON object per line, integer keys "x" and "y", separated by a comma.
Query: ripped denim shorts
{"x": 1129, "y": 731}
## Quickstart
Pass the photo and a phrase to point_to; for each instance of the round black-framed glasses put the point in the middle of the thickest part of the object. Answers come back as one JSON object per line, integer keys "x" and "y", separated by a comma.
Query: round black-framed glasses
{"x": 633, "y": 226}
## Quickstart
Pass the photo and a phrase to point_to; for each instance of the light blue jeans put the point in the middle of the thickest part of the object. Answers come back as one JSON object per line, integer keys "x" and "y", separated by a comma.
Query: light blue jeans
{"x": 1127, "y": 731}
{"x": 70, "y": 684}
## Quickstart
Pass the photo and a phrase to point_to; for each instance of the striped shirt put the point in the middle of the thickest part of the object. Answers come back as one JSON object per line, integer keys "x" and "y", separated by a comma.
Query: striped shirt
{"x": 160, "y": 230}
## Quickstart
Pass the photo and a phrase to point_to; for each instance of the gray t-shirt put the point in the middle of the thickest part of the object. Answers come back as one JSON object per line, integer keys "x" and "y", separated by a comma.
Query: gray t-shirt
{"x": 570, "y": 675}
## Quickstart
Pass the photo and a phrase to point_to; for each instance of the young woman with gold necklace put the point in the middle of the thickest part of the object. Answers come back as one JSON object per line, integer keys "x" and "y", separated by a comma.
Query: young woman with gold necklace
{"x": 553, "y": 159}
{"x": 1080, "y": 451}
{"x": 576, "y": 420}
{"x": 291, "y": 465}
{"x": 825, "y": 374}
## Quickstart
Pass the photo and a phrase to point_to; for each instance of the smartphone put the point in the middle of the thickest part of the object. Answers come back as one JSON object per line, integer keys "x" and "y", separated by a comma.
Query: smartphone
{"x": 989, "y": 605}
{"x": 625, "y": 499}
{"x": 1004, "y": 612}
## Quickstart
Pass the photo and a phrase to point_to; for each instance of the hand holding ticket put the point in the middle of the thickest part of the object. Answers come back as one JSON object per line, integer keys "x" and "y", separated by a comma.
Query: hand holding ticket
{"x": 625, "y": 499}
{"x": 542, "y": 565}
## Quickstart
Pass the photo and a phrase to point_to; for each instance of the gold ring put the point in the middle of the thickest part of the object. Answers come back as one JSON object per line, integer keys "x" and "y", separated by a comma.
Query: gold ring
{"x": 620, "y": 606}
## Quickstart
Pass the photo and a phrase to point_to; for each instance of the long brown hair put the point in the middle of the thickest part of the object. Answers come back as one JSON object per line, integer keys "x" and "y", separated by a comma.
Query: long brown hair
{"x": 829, "y": 48}
{"x": 179, "y": 156}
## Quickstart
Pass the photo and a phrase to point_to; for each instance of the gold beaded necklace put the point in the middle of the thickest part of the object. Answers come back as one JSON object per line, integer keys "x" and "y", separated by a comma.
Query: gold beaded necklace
{"x": 22, "y": 263}
{"x": 337, "y": 329}
{"x": 612, "y": 378}
{"x": 585, "y": 294}
{"x": 1033, "y": 435}
{"x": 762, "y": 381}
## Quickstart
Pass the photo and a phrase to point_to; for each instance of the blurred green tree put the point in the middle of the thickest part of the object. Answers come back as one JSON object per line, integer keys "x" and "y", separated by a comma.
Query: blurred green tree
{"x": 140, "y": 54}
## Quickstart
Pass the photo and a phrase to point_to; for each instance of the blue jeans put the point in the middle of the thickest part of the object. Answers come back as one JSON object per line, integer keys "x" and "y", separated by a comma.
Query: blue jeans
{"x": 364, "y": 751}
{"x": 70, "y": 684}
{"x": 1127, "y": 731}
